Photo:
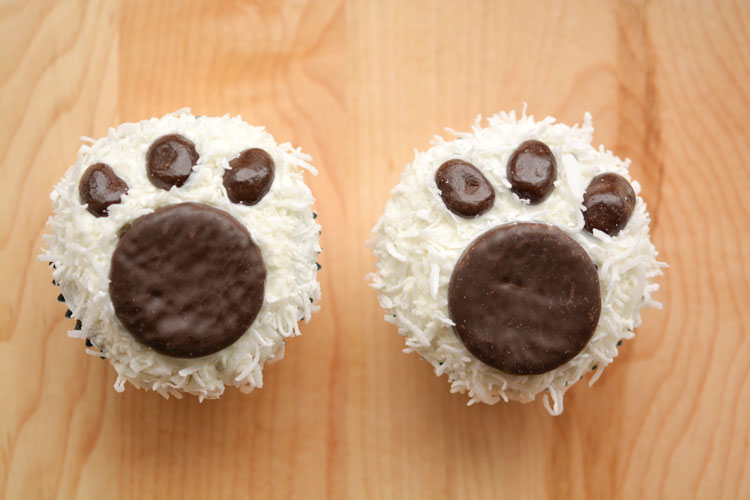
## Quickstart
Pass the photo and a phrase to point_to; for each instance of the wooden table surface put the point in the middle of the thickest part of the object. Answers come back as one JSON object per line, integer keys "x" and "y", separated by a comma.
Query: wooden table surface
{"x": 360, "y": 85}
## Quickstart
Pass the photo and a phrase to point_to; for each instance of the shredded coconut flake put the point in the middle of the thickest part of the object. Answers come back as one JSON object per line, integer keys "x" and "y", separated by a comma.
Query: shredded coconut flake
{"x": 81, "y": 245}
{"x": 417, "y": 242}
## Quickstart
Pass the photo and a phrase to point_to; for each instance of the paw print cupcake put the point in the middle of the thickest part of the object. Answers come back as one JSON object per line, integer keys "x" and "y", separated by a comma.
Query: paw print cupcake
{"x": 185, "y": 249}
{"x": 516, "y": 258}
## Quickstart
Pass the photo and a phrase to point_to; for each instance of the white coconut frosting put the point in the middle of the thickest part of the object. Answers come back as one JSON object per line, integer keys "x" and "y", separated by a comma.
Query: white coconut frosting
{"x": 282, "y": 225}
{"x": 418, "y": 241}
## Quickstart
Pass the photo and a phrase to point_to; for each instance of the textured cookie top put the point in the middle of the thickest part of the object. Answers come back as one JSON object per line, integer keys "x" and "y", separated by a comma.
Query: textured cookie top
{"x": 187, "y": 280}
{"x": 524, "y": 298}
{"x": 183, "y": 159}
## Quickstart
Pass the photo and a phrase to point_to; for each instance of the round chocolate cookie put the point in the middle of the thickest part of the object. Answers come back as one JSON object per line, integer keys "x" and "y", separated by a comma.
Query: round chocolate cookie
{"x": 187, "y": 280}
{"x": 524, "y": 298}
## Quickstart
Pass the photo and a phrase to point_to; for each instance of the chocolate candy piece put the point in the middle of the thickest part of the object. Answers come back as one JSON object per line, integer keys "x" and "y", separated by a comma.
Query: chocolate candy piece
{"x": 609, "y": 200}
{"x": 250, "y": 176}
{"x": 463, "y": 188}
{"x": 531, "y": 171}
{"x": 170, "y": 160}
{"x": 99, "y": 188}
{"x": 524, "y": 298}
{"x": 187, "y": 280}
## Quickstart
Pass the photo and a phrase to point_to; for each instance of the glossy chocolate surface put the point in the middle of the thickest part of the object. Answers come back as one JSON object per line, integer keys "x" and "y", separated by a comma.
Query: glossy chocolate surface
{"x": 463, "y": 188}
{"x": 249, "y": 177}
{"x": 99, "y": 188}
{"x": 170, "y": 160}
{"x": 609, "y": 200}
{"x": 532, "y": 171}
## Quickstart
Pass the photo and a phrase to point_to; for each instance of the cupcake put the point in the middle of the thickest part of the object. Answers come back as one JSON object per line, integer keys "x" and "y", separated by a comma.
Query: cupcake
{"x": 515, "y": 258}
{"x": 185, "y": 249}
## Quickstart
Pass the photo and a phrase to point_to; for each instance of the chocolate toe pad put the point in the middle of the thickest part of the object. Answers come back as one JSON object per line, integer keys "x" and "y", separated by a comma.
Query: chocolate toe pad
{"x": 463, "y": 188}
{"x": 99, "y": 188}
{"x": 170, "y": 160}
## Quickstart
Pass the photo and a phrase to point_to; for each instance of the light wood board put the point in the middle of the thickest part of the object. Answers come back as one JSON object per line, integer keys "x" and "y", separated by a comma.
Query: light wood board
{"x": 360, "y": 85}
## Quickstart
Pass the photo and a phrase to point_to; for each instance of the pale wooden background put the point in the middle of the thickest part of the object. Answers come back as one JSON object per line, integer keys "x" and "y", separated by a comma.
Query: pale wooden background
{"x": 359, "y": 85}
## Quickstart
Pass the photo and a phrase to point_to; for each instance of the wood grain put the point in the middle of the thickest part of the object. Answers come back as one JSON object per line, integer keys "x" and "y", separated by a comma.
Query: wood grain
{"x": 359, "y": 85}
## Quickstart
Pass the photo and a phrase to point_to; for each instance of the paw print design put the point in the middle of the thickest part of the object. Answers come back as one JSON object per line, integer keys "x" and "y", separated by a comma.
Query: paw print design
{"x": 186, "y": 249}
{"x": 515, "y": 259}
